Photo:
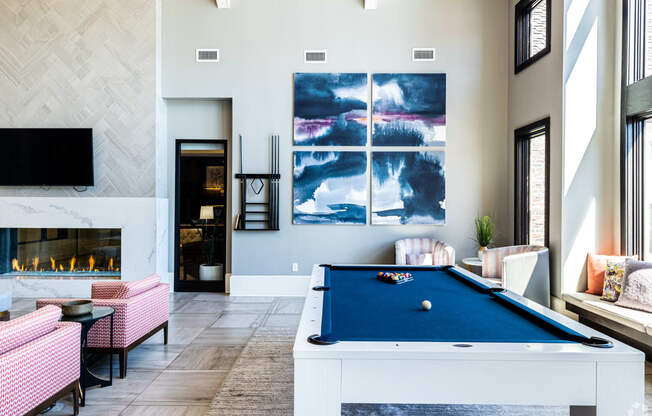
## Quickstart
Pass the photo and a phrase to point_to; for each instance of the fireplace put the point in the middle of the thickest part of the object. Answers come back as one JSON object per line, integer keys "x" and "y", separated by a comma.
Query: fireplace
{"x": 60, "y": 253}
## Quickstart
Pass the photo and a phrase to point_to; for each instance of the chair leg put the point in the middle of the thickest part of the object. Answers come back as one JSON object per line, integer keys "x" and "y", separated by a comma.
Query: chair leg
{"x": 123, "y": 362}
{"x": 75, "y": 399}
{"x": 165, "y": 334}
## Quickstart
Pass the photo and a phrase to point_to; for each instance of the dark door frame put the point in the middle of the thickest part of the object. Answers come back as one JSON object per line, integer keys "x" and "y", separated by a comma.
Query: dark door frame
{"x": 182, "y": 286}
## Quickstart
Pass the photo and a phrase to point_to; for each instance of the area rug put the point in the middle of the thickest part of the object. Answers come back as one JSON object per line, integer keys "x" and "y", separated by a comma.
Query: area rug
{"x": 261, "y": 380}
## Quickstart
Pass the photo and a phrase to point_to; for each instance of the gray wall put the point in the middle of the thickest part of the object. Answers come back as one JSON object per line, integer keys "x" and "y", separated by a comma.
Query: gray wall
{"x": 84, "y": 64}
{"x": 196, "y": 120}
{"x": 262, "y": 45}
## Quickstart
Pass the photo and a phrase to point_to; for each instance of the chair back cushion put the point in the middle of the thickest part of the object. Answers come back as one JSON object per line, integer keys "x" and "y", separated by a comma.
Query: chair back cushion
{"x": 492, "y": 259}
{"x": 27, "y": 328}
{"x": 131, "y": 289}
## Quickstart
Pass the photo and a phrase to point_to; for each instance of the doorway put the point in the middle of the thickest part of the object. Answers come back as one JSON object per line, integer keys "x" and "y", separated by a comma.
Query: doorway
{"x": 200, "y": 215}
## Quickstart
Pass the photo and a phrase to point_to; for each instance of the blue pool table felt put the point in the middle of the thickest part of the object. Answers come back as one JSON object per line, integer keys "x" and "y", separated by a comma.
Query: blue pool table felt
{"x": 359, "y": 307}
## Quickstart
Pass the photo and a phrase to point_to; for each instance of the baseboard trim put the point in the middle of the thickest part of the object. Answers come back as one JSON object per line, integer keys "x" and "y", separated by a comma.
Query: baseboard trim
{"x": 268, "y": 285}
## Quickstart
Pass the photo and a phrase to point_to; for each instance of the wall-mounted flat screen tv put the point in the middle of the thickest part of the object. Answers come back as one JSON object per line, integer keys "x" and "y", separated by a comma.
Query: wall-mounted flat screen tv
{"x": 46, "y": 157}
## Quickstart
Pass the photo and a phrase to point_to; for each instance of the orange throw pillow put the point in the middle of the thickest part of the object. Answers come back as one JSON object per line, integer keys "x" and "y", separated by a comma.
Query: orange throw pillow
{"x": 596, "y": 265}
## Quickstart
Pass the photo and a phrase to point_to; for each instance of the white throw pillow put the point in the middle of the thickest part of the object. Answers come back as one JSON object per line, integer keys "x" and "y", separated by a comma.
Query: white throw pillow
{"x": 637, "y": 286}
{"x": 424, "y": 259}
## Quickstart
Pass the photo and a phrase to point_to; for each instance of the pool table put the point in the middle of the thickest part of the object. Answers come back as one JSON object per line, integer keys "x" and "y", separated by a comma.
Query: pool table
{"x": 363, "y": 340}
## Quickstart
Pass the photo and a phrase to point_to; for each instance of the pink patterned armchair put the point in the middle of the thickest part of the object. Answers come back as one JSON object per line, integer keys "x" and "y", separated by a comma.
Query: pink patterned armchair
{"x": 524, "y": 270}
{"x": 39, "y": 362}
{"x": 141, "y": 310}
{"x": 424, "y": 251}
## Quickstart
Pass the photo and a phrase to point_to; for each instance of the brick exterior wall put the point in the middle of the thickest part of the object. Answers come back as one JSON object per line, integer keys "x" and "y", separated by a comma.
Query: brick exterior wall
{"x": 538, "y": 28}
{"x": 537, "y": 190}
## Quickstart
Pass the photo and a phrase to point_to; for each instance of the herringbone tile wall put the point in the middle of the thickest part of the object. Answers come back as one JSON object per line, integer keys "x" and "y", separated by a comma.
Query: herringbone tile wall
{"x": 84, "y": 63}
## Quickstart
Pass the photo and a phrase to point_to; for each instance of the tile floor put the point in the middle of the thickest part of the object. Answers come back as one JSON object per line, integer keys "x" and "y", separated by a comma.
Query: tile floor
{"x": 207, "y": 334}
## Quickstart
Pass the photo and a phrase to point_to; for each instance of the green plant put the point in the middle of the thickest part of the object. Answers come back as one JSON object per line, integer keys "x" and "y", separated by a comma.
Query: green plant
{"x": 484, "y": 231}
{"x": 210, "y": 244}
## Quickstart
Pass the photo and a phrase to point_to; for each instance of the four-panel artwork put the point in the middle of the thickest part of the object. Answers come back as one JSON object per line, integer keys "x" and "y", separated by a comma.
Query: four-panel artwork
{"x": 407, "y": 159}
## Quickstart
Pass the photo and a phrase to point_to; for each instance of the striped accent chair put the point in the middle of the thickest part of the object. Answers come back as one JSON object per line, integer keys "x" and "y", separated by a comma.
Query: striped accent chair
{"x": 524, "y": 270}
{"x": 424, "y": 251}
{"x": 141, "y": 310}
{"x": 39, "y": 362}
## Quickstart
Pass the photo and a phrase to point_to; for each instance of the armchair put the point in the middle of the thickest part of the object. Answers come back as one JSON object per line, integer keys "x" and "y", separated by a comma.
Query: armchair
{"x": 524, "y": 270}
{"x": 141, "y": 310}
{"x": 421, "y": 251}
{"x": 39, "y": 362}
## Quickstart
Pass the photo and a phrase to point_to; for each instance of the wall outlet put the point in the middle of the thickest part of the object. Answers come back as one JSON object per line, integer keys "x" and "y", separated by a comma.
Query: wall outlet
{"x": 295, "y": 267}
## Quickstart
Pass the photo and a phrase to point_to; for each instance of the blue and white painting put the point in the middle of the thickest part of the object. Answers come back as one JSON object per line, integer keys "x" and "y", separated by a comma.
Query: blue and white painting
{"x": 408, "y": 188}
{"x": 409, "y": 110}
{"x": 330, "y": 188}
{"x": 330, "y": 109}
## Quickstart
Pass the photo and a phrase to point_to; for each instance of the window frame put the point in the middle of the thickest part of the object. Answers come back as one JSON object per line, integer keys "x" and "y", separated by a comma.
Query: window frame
{"x": 522, "y": 34}
{"x": 522, "y": 137}
{"x": 636, "y": 107}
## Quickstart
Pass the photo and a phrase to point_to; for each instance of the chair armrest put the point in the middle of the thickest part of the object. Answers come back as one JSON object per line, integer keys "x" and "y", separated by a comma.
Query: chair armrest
{"x": 40, "y": 368}
{"x": 528, "y": 274}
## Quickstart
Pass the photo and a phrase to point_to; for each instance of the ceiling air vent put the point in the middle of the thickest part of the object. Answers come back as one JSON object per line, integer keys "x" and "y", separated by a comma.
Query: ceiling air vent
{"x": 423, "y": 54}
{"x": 208, "y": 55}
{"x": 315, "y": 57}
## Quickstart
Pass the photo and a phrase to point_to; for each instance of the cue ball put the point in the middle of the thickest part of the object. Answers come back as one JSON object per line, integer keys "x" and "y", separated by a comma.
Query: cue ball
{"x": 426, "y": 305}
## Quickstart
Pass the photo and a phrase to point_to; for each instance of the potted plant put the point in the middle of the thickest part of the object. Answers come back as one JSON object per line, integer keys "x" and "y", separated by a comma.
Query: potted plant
{"x": 484, "y": 233}
{"x": 211, "y": 270}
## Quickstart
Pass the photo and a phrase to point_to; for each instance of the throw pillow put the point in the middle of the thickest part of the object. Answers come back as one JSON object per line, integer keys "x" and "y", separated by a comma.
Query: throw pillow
{"x": 424, "y": 259}
{"x": 596, "y": 265}
{"x": 613, "y": 280}
{"x": 637, "y": 286}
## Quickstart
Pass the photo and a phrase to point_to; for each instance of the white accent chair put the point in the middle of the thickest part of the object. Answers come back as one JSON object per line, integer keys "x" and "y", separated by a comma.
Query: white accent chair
{"x": 524, "y": 270}
{"x": 424, "y": 251}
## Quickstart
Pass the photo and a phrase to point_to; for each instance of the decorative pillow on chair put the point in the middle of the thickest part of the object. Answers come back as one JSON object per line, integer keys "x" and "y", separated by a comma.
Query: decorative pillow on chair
{"x": 424, "y": 259}
{"x": 28, "y": 327}
{"x": 637, "y": 286}
{"x": 613, "y": 280}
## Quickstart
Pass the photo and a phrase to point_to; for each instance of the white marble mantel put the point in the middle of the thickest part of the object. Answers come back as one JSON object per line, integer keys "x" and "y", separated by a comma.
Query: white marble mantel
{"x": 143, "y": 222}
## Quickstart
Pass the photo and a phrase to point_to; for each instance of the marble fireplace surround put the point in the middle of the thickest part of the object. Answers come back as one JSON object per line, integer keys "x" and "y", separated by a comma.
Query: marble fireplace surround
{"x": 144, "y": 225}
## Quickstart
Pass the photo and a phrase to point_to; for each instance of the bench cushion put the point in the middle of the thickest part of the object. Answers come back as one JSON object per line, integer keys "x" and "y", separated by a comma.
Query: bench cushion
{"x": 634, "y": 319}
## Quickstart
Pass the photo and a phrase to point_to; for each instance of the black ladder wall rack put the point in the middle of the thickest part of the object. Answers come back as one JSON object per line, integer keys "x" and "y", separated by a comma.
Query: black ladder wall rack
{"x": 259, "y": 214}
{"x": 262, "y": 214}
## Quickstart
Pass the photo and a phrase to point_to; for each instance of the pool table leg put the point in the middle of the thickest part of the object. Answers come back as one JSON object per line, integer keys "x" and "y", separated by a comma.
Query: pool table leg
{"x": 317, "y": 387}
{"x": 620, "y": 388}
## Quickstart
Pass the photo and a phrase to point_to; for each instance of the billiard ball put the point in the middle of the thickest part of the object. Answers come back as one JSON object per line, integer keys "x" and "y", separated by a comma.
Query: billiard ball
{"x": 426, "y": 305}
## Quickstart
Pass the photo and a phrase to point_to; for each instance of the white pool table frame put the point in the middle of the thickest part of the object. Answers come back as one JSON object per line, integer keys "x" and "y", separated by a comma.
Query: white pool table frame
{"x": 592, "y": 381}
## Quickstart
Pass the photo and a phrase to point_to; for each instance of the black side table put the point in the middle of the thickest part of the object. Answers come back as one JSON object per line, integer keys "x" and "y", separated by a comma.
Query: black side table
{"x": 86, "y": 376}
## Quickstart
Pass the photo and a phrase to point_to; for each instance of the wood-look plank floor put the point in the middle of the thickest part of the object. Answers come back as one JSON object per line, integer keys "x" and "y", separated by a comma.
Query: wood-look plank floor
{"x": 208, "y": 333}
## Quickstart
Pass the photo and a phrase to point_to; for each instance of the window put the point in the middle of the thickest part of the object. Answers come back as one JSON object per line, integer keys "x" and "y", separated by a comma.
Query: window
{"x": 636, "y": 135}
{"x": 532, "y": 180}
{"x": 532, "y": 32}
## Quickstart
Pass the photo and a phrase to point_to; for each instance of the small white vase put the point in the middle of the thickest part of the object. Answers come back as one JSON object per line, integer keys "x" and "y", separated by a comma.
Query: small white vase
{"x": 480, "y": 251}
{"x": 210, "y": 273}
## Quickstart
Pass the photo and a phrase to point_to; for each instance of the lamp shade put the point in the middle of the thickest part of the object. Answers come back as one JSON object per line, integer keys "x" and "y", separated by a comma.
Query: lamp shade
{"x": 206, "y": 213}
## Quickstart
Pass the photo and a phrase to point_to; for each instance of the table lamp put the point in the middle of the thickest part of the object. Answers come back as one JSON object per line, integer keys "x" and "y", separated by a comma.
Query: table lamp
{"x": 206, "y": 213}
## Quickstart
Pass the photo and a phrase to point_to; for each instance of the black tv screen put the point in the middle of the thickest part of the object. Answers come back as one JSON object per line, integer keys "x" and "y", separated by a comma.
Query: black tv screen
{"x": 48, "y": 157}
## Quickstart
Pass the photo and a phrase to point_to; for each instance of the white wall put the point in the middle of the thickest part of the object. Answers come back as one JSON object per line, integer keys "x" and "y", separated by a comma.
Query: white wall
{"x": 262, "y": 43}
{"x": 591, "y": 152}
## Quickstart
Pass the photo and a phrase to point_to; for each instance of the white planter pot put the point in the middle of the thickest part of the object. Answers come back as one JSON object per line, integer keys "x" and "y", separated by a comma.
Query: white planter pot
{"x": 211, "y": 272}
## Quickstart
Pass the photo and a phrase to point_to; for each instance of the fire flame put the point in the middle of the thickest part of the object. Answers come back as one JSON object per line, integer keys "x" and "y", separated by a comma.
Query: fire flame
{"x": 73, "y": 265}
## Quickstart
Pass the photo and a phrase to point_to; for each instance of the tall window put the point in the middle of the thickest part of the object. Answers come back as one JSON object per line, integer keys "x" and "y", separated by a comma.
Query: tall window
{"x": 636, "y": 137}
{"x": 532, "y": 183}
{"x": 532, "y": 32}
